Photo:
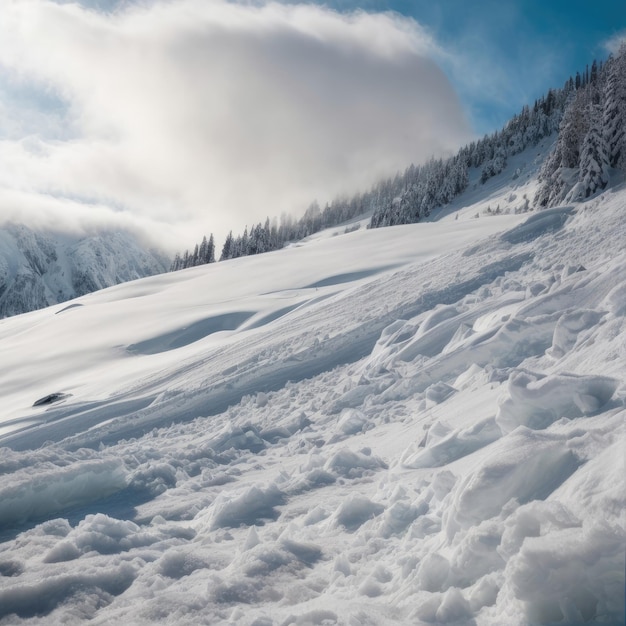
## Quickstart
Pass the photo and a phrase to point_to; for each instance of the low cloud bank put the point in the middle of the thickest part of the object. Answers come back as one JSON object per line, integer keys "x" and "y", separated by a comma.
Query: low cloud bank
{"x": 193, "y": 116}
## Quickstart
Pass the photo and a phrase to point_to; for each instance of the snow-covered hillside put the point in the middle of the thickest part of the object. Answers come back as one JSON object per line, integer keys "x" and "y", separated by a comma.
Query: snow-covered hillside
{"x": 40, "y": 269}
{"x": 412, "y": 425}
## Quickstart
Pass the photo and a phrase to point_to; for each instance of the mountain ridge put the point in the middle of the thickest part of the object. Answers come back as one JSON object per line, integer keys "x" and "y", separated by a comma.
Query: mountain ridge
{"x": 39, "y": 269}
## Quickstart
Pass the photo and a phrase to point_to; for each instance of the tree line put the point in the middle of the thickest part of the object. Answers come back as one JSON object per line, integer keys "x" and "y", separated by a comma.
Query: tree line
{"x": 592, "y": 137}
{"x": 588, "y": 113}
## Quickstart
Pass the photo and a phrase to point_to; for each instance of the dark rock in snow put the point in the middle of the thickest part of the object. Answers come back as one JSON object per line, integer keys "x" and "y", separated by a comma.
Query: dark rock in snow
{"x": 51, "y": 398}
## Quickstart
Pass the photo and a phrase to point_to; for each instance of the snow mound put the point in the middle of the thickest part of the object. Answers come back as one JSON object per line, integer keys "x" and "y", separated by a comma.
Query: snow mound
{"x": 102, "y": 534}
{"x": 527, "y": 466}
{"x": 85, "y": 590}
{"x": 539, "y": 224}
{"x": 569, "y": 326}
{"x": 571, "y": 576}
{"x": 352, "y": 421}
{"x": 350, "y": 464}
{"x": 355, "y": 511}
{"x": 536, "y": 400}
{"x": 248, "y": 508}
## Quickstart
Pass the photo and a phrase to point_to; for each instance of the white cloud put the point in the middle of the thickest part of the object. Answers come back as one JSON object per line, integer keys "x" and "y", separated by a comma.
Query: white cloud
{"x": 209, "y": 115}
{"x": 614, "y": 43}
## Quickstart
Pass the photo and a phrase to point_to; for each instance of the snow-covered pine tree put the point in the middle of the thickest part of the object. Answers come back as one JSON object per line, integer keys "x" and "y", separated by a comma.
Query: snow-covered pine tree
{"x": 461, "y": 176}
{"x": 210, "y": 250}
{"x": 614, "y": 113}
{"x": 244, "y": 242}
{"x": 559, "y": 170}
{"x": 227, "y": 248}
{"x": 594, "y": 162}
{"x": 202, "y": 251}
{"x": 176, "y": 263}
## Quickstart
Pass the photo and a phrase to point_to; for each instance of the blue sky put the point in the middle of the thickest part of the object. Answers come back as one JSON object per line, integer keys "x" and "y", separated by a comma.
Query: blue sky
{"x": 184, "y": 117}
{"x": 527, "y": 45}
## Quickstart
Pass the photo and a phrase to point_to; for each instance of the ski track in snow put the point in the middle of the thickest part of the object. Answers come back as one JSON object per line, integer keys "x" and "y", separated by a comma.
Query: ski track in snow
{"x": 409, "y": 437}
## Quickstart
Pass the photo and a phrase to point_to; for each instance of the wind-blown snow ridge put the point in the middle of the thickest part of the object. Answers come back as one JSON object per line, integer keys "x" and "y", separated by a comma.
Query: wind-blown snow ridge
{"x": 438, "y": 440}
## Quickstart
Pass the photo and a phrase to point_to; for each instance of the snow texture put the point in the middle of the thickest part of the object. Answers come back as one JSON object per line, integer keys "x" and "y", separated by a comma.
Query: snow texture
{"x": 431, "y": 434}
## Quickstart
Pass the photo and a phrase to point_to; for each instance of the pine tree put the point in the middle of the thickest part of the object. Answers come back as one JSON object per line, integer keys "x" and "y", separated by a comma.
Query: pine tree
{"x": 210, "y": 250}
{"x": 559, "y": 168}
{"x": 574, "y": 128}
{"x": 614, "y": 113}
{"x": 242, "y": 243}
{"x": 202, "y": 251}
{"x": 594, "y": 162}
{"x": 227, "y": 248}
{"x": 176, "y": 263}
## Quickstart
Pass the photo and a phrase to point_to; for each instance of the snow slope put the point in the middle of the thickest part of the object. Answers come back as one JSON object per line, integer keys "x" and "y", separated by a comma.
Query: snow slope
{"x": 412, "y": 425}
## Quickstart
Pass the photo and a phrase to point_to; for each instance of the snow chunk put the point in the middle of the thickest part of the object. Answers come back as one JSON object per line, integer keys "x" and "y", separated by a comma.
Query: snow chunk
{"x": 42, "y": 596}
{"x": 357, "y": 510}
{"x": 484, "y": 593}
{"x": 450, "y": 607}
{"x": 616, "y": 300}
{"x": 537, "y": 401}
{"x": 102, "y": 534}
{"x": 39, "y": 491}
{"x": 435, "y": 332}
{"x": 568, "y": 328}
{"x": 571, "y": 576}
{"x": 443, "y": 446}
{"x": 177, "y": 563}
{"x": 352, "y": 464}
{"x": 532, "y": 520}
{"x": 352, "y": 421}
{"x": 473, "y": 376}
{"x": 156, "y": 477}
{"x": 526, "y": 466}
{"x": 261, "y": 562}
{"x": 306, "y": 553}
{"x": 318, "y": 616}
{"x": 235, "y": 438}
{"x": 433, "y": 572}
{"x": 439, "y": 392}
{"x": 454, "y": 607}
{"x": 252, "y": 540}
{"x": 352, "y": 398}
{"x": 399, "y": 516}
{"x": 315, "y": 516}
{"x": 247, "y": 508}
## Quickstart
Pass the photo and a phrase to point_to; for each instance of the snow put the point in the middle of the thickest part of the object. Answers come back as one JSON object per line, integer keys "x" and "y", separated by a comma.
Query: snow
{"x": 40, "y": 268}
{"x": 420, "y": 424}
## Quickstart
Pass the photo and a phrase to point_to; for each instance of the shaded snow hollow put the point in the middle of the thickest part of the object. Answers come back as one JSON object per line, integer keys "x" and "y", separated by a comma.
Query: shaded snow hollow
{"x": 437, "y": 440}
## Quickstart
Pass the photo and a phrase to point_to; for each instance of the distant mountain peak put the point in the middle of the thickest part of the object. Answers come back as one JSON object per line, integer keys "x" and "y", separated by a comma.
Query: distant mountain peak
{"x": 39, "y": 269}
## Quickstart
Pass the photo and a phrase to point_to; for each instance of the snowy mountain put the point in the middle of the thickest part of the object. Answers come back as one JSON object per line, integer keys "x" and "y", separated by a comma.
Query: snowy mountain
{"x": 419, "y": 424}
{"x": 40, "y": 269}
